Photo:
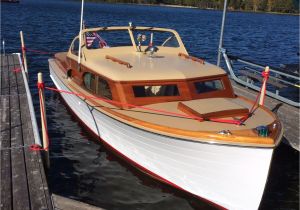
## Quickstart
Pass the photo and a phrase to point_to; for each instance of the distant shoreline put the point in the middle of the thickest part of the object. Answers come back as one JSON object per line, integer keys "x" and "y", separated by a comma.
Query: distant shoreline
{"x": 192, "y": 7}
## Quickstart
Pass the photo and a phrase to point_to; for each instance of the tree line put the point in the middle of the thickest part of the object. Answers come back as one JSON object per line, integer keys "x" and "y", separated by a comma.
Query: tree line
{"x": 285, "y": 6}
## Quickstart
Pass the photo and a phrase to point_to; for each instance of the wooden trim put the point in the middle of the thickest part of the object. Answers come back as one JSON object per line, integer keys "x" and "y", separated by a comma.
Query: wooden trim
{"x": 219, "y": 114}
{"x": 128, "y": 65}
{"x": 227, "y": 113}
{"x": 199, "y": 60}
{"x": 187, "y": 110}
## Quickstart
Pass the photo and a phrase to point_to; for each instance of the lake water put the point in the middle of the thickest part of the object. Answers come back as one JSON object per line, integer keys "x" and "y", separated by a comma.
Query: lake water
{"x": 83, "y": 169}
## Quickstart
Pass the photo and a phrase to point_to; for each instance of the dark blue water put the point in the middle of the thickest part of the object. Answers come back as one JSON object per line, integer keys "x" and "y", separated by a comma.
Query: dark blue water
{"x": 83, "y": 169}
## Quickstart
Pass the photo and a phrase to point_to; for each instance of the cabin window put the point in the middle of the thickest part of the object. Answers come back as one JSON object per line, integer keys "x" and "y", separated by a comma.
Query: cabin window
{"x": 208, "y": 86}
{"x": 89, "y": 81}
{"x": 75, "y": 47}
{"x": 155, "y": 90}
{"x": 104, "y": 89}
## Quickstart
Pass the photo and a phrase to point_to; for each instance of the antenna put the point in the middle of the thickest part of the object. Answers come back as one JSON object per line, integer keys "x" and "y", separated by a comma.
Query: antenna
{"x": 222, "y": 32}
{"x": 80, "y": 35}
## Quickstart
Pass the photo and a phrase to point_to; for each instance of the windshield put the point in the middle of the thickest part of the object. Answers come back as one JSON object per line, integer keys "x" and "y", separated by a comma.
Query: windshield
{"x": 106, "y": 39}
{"x": 158, "y": 38}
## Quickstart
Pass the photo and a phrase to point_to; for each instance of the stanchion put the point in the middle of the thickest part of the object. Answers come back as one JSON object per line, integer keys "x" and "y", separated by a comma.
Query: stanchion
{"x": 24, "y": 53}
{"x": 265, "y": 74}
{"x": 43, "y": 118}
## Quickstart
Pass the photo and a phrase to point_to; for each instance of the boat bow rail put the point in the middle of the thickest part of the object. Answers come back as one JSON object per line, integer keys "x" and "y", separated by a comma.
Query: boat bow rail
{"x": 280, "y": 84}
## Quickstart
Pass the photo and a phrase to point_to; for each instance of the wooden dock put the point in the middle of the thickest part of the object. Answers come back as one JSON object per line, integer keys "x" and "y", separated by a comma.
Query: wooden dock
{"x": 23, "y": 183}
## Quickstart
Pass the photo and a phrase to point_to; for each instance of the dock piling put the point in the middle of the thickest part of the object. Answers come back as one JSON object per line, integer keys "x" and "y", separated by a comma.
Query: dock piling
{"x": 24, "y": 53}
{"x": 43, "y": 118}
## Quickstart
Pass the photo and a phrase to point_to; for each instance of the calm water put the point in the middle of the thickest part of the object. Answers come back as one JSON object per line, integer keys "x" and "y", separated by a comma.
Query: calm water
{"x": 85, "y": 170}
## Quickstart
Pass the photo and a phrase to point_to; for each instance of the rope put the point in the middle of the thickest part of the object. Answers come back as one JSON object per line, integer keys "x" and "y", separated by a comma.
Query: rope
{"x": 13, "y": 70}
{"x": 37, "y": 51}
{"x": 236, "y": 122}
{"x": 16, "y": 70}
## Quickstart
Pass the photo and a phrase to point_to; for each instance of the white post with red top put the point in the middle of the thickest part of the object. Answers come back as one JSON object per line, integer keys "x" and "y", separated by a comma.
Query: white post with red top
{"x": 265, "y": 74}
{"x": 24, "y": 53}
{"x": 40, "y": 84}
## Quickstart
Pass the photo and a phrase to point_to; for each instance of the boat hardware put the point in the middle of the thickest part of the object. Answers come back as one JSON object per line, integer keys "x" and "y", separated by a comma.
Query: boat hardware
{"x": 199, "y": 60}
{"x": 118, "y": 61}
{"x": 225, "y": 132}
{"x": 262, "y": 131}
{"x": 152, "y": 50}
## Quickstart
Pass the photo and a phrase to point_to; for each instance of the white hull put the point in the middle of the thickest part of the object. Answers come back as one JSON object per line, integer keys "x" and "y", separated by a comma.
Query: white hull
{"x": 232, "y": 177}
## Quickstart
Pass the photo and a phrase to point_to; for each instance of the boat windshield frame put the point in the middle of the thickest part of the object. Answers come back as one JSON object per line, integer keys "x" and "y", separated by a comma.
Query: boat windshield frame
{"x": 131, "y": 31}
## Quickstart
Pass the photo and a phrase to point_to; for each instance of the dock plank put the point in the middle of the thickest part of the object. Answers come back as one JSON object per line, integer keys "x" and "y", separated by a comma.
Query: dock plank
{"x": 19, "y": 178}
{"x": 5, "y": 184}
{"x": 5, "y": 155}
{"x": 36, "y": 176}
{"x": 4, "y": 61}
{"x": 10, "y": 60}
{"x": 4, "y": 79}
{"x": 22, "y": 178}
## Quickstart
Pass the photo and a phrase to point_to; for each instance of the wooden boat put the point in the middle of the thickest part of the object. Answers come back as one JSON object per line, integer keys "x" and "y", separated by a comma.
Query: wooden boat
{"x": 169, "y": 114}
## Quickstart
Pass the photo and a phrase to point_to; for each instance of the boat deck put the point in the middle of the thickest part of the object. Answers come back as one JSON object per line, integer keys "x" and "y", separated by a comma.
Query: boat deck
{"x": 22, "y": 179}
{"x": 288, "y": 115}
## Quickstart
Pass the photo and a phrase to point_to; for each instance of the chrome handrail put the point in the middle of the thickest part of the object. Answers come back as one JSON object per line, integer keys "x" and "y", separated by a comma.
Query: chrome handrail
{"x": 228, "y": 62}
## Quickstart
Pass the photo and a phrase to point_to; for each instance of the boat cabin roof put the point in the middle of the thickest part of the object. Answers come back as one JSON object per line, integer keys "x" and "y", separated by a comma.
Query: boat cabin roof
{"x": 124, "y": 54}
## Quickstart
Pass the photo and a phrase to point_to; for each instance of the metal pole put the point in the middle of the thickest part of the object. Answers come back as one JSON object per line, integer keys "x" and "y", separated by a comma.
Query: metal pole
{"x": 24, "y": 53}
{"x": 3, "y": 46}
{"x": 43, "y": 119}
{"x": 222, "y": 32}
{"x": 80, "y": 36}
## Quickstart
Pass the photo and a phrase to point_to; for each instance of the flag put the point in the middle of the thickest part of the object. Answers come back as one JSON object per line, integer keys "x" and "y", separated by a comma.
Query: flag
{"x": 92, "y": 36}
